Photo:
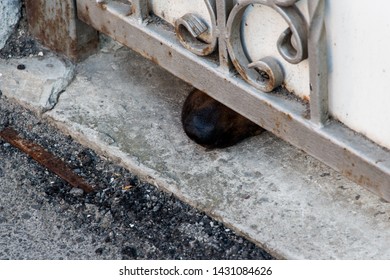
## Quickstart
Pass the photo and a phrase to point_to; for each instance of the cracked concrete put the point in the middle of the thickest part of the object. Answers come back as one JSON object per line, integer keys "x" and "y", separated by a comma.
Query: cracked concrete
{"x": 276, "y": 195}
{"x": 40, "y": 82}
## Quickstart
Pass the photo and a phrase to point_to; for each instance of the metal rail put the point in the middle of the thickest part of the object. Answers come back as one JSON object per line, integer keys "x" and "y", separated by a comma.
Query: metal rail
{"x": 45, "y": 158}
{"x": 251, "y": 87}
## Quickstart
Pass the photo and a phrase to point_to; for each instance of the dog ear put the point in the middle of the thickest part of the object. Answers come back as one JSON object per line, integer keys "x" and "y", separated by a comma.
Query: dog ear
{"x": 212, "y": 124}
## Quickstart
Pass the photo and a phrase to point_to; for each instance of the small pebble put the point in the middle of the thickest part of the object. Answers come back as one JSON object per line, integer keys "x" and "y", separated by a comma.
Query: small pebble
{"x": 76, "y": 192}
{"x": 21, "y": 67}
{"x": 99, "y": 251}
{"x": 40, "y": 54}
{"x": 130, "y": 252}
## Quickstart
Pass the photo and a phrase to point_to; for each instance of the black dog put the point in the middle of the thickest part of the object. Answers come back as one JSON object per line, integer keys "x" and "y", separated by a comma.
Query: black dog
{"x": 212, "y": 124}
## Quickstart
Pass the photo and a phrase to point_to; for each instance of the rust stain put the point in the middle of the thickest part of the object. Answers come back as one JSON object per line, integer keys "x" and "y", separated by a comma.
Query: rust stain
{"x": 148, "y": 56}
{"x": 45, "y": 158}
{"x": 56, "y": 26}
{"x": 153, "y": 59}
{"x": 240, "y": 70}
{"x": 366, "y": 182}
{"x": 347, "y": 173}
{"x": 50, "y": 24}
{"x": 130, "y": 13}
{"x": 351, "y": 170}
{"x": 207, "y": 50}
{"x": 133, "y": 9}
{"x": 280, "y": 124}
{"x": 306, "y": 99}
{"x": 102, "y": 5}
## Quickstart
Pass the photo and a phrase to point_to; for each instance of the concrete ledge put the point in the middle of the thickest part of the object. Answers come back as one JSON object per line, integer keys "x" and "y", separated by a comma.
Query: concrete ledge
{"x": 284, "y": 200}
{"x": 36, "y": 81}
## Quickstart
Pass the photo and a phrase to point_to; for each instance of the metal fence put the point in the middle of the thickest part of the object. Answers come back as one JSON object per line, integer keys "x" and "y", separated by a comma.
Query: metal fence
{"x": 211, "y": 55}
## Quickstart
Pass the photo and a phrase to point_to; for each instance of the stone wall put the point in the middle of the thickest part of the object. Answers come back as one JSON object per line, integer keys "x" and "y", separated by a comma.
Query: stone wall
{"x": 10, "y": 11}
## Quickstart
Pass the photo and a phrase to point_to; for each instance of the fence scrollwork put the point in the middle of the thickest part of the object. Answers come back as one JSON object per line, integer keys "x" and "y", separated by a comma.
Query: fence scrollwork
{"x": 265, "y": 74}
{"x": 190, "y": 26}
{"x": 292, "y": 44}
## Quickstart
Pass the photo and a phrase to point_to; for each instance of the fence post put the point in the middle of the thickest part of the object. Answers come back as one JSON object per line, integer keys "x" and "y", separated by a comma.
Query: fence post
{"x": 55, "y": 25}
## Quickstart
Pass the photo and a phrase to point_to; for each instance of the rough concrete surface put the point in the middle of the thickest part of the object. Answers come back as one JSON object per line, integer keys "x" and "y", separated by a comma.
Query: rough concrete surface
{"x": 36, "y": 81}
{"x": 9, "y": 17}
{"x": 127, "y": 108}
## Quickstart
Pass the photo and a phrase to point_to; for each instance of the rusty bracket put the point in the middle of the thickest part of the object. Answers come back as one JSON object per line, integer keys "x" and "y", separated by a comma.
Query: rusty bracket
{"x": 45, "y": 158}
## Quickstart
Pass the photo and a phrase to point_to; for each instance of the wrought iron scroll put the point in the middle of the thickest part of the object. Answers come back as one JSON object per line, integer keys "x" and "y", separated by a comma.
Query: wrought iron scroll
{"x": 267, "y": 74}
{"x": 298, "y": 42}
{"x": 189, "y": 27}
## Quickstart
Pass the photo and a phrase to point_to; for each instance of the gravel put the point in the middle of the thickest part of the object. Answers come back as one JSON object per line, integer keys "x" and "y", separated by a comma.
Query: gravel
{"x": 21, "y": 43}
{"x": 124, "y": 219}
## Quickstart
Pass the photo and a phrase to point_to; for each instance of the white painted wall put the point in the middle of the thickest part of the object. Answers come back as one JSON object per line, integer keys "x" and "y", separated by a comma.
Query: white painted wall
{"x": 359, "y": 66}
{"x": 359, "y": 56}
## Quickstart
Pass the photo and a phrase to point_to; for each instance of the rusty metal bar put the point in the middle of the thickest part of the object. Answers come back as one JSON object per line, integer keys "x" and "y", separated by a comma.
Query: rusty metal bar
{"x": 341, "y": 148}
{"x": 45, "y": 158}
{"x": 55, "y": 24}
